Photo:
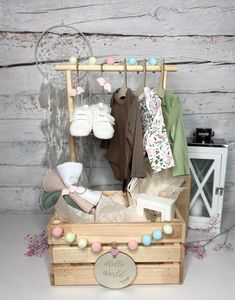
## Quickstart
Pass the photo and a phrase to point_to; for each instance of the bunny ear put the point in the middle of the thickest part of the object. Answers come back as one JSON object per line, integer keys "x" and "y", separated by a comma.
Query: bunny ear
{"x": 101, "y": 81}
{"x": 80, "y": 90}
{"x": 107, "y": 87}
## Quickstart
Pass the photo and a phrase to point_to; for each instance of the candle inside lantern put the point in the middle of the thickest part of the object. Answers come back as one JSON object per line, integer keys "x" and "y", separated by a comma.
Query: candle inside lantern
{"x": 197, "y": 208}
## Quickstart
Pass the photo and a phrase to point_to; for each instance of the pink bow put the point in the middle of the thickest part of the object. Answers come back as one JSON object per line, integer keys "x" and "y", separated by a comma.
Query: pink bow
{"x": 73, "y": 93}
{"x": 69, "y": 190}
{"x": 78, "y": 91}
{"x": 104, "y": 83}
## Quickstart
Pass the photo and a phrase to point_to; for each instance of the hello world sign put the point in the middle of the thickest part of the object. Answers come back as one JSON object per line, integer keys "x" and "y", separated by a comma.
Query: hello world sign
{"x": 115, "y": 271}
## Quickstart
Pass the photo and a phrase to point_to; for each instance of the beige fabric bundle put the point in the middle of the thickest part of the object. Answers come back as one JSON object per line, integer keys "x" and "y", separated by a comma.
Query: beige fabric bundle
{"x": 72, "y": 215}
{"x": 52, "y": 182}
{"x": 111, "y": 211}
{"x": 158, "y": 183}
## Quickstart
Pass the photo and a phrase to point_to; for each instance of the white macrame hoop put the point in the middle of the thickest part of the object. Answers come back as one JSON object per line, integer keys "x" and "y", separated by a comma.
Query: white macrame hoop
{"x": 56, "y": 45}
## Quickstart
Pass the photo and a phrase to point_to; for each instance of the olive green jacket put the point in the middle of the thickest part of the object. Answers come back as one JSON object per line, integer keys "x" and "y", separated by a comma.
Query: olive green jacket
{"x": 172, "y": 113}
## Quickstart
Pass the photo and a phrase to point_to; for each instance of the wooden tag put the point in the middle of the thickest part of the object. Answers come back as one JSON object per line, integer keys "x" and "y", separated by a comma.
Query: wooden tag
{"x": 115, "y": 272}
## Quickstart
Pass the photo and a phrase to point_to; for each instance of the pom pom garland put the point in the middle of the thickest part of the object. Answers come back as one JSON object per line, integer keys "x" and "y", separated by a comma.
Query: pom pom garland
{"x": 96, "y": 246}
{"x": 37, "y": 244}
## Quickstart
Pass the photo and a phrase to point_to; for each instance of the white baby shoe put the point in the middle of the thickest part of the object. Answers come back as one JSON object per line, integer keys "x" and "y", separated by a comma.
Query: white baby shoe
{"x": 81, "y": 123}
{"x": 102, "y": 121}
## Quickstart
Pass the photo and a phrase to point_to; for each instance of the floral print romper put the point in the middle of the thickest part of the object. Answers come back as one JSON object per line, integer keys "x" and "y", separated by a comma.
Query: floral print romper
{"x": 155, "y": 140}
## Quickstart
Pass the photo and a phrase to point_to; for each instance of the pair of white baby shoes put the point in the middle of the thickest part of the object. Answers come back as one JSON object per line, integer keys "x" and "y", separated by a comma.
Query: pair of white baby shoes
{"x": 95, "y": 117}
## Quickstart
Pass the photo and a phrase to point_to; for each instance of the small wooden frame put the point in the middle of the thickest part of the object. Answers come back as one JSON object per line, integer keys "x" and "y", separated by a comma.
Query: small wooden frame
{"x": 165, "y": 206}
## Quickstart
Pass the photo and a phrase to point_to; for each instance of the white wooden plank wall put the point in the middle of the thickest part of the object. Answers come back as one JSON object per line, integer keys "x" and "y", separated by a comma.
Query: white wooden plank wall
{"x": 197, "y": 35}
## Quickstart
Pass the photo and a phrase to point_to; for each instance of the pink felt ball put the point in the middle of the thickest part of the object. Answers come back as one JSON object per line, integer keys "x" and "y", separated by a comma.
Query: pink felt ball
{"x": 96, "y": 247}
{"x": 132, "y": 245}
{"x": 57, "y": 231}
{"x": 110, "y": 60}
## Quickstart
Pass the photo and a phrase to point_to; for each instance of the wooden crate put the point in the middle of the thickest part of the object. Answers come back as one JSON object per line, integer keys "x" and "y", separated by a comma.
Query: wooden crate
{"x": 160, "y": 263}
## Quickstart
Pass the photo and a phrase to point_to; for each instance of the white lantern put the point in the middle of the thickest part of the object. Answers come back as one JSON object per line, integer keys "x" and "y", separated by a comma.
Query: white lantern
{"x": 208, "y": 168}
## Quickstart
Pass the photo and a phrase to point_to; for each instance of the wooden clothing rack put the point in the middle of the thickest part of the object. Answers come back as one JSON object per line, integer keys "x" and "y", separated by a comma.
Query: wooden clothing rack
{"x": 114, "y": 68}
{"x": 104, "y": 68}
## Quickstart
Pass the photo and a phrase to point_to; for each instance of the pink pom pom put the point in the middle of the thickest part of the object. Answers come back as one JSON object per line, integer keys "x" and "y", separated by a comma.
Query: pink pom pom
{"x": 132, "y": 245}
{"x": 110, "y": 60}
{"x": 96, "y": 247}
{"x": 57, "y": 232}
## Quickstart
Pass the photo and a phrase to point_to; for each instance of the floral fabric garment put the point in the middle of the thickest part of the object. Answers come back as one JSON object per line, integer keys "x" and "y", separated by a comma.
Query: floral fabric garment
{"x": 155, "y": 140}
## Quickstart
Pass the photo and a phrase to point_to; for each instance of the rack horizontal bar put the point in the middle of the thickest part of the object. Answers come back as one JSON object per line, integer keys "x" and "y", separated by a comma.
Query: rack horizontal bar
{"x": 115, "y": 68}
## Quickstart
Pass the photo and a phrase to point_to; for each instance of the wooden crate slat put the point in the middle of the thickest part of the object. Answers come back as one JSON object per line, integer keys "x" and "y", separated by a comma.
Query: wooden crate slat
{"x": 146, "y": 274}
{"x": 154, "y": 253}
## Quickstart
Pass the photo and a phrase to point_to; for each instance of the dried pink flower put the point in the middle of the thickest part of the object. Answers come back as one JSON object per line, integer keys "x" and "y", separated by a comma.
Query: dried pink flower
{"x": 37, "y": 244}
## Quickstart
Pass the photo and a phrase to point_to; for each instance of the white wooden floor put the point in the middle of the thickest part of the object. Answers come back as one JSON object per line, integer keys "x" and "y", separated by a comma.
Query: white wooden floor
{"x": 27, "y": 278}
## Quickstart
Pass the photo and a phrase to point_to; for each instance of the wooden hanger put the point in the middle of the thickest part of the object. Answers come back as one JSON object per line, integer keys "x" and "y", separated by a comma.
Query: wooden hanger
{"x": 77, "y": 70}
{"x": 160, "y": 88}
{"x": 141, "y": 87}
{"x": 123, "y": 90}
{"x": 101, "y": 75}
